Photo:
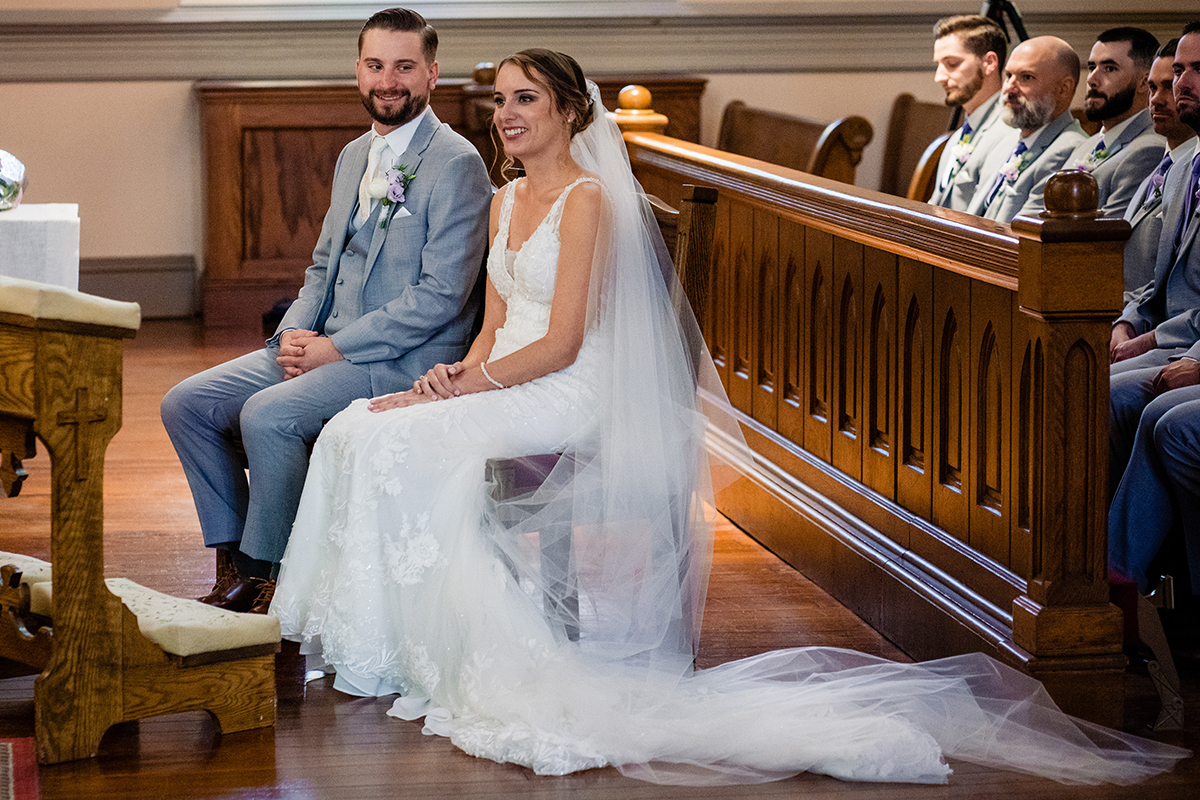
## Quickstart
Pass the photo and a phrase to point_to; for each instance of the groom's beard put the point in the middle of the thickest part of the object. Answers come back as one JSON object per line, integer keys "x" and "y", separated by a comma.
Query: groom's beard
{"x": 409, "y": 108}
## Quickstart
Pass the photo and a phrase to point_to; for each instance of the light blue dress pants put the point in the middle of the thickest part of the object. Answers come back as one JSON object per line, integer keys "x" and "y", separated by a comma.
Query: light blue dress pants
{"x": 243, "y": 415}
{"x": 1155, "y": 468}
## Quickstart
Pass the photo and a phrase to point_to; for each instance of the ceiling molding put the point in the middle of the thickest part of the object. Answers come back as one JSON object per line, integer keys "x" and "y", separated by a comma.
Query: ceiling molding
{"x": 326, "y": 49}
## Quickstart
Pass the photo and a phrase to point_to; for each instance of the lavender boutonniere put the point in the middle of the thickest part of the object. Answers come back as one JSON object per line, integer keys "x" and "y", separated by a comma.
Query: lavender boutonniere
{"x": 390, "y": 189}
{"x": 1093, "y": 160}
{"x": 1014, "y": 167}
{"x": 964, "y": 148}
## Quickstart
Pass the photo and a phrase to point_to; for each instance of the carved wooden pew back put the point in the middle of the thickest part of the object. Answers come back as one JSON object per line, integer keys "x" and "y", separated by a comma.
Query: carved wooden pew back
{"x": 926, "y": 394}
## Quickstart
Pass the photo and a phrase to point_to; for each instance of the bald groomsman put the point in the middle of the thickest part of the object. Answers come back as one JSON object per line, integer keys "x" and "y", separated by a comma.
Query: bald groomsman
{"x": 1126, "y": 149}
{"x": 969, "y": 51}
{"x": 1160, "y": 488}
{"x": 1144, "y": 213}
{"x": 1039, "y": 83}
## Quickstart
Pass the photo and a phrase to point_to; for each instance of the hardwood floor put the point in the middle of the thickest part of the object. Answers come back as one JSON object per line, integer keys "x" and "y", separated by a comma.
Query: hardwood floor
{"x": 329, "y": 745}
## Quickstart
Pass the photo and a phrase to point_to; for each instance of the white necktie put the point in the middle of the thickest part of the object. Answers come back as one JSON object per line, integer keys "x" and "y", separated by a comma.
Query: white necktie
{"x": 364, "y": 195}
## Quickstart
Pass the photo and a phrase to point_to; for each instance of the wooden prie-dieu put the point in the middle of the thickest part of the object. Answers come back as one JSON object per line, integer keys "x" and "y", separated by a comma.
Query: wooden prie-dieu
{"x": 926, "y": 397}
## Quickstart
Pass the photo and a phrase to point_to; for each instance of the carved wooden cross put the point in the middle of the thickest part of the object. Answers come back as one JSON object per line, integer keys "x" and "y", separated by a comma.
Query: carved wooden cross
{"x": 82, "y": 415}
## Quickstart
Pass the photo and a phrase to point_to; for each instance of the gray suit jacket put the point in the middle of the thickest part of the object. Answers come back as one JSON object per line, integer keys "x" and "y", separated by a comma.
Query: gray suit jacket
{"x": 957, "y": 191}
{"x": 1045, "y": 157}
{"x": 1131, "y": 157}
{"x": 1141, "y": 251}
{"x": 421, "y": 291}
{"x": 1170, "y": 305}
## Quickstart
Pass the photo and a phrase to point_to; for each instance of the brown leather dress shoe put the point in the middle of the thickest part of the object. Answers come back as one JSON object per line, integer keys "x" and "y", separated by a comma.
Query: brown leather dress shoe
{"x": 241, "y": 594}
{"x": 227, "y": 574}
{"x": 262, "y": 603}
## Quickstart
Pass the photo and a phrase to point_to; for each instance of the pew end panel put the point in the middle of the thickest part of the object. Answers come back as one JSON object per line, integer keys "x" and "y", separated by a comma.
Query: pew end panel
{"x": 831, "y": 150}
{"x": 924, "y": 176}
{"x": 955, "y": 518}
{"x": 913, "y": 126}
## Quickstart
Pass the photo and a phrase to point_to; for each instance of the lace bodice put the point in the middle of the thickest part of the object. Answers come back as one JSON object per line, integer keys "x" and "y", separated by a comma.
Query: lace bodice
{"x": 524, "y": 278}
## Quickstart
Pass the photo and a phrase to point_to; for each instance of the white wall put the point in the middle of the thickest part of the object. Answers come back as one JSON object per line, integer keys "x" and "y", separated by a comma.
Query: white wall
{"x": 127, "y": 153}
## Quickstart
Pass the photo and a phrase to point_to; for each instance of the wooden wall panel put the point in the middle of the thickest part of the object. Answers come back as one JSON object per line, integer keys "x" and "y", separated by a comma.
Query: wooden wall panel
{"x": 847, "y": 356}
{"x": 743, "y": 295}
{"x": 879, "y": 465}
{"x": 818, "y": 336}
{"x": 792, "y": 331}
{"x": 951, "y": 399}
{"x": 765, "y": 293}
{"x": 991, "y": 419}
{"x": 287, "y": 186}
{"x": 1027, "y": 441}
{"x": 914, "y": 476}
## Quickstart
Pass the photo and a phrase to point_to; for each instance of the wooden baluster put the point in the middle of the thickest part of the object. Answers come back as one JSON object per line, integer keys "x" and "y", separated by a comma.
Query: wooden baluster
{"x": 1070, "y": 266}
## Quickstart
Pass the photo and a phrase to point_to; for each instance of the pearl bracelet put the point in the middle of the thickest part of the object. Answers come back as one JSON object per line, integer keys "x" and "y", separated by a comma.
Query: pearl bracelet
{"x": 493, "y": 381}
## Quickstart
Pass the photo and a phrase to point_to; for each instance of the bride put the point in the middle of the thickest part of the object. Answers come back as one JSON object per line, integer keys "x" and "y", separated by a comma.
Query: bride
{"x": 556, "y": 629}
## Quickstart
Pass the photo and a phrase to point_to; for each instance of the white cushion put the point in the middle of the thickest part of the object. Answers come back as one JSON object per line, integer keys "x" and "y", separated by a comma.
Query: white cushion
{"x": 44, "y": 301}
{"x": 33, "y": 570}
{"x": 180, "y": 627}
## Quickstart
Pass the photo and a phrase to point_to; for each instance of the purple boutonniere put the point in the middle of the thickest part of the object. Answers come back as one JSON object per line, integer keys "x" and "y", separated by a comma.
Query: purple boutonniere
{"x": 391, "y": 188}
{"x": 1014, "y": 167}
{"x": 1092, "y": 161}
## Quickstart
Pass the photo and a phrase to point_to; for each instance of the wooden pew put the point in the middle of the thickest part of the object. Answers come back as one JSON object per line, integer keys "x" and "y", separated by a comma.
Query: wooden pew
{"x": 97, "y": 663}
{"x": 831, "y": 151}
{"x": 924, "y": 177}
{"x": 926, "y": 395}
{"x": 913, "y": 125}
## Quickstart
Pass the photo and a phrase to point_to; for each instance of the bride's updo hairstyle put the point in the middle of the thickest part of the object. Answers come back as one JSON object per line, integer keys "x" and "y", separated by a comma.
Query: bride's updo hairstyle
{"x": 562, "y": 76}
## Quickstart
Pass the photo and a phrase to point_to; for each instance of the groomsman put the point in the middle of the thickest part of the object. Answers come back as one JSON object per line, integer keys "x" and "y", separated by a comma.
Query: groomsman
{"x": 1144, "y": 213}
{"x": 1160, "y": 401}
{"x": 1039, "y": 84}
{"x": 1126, "y": 149}
{"x": 969, "y": 51}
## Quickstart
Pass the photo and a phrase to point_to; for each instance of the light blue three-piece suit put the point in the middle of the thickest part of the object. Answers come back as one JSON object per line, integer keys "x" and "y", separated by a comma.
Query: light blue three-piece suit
{"x": 394, "y": 300}
{"x": 1155, "y": 440}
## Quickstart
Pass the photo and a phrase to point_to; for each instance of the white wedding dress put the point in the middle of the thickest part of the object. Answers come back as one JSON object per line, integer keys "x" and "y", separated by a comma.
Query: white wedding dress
{"x": 399, "y": 574}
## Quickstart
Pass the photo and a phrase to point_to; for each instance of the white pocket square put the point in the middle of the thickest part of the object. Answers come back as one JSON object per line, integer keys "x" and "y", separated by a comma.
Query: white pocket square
{"x": 403, "y": 212}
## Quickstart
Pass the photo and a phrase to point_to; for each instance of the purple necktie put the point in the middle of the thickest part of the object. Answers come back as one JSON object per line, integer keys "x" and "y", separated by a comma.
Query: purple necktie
{"x": 1021, "y": 148}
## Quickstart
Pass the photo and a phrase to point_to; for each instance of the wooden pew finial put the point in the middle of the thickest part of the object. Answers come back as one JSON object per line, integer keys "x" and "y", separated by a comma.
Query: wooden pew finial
{"x": 484, "y": 74}
{"x": 1072, "y": 194}
{"x": 634, "y": 114}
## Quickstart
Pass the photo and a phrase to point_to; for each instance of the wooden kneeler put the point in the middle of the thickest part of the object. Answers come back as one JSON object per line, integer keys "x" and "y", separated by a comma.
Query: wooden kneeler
{"x": 60, "y": 380}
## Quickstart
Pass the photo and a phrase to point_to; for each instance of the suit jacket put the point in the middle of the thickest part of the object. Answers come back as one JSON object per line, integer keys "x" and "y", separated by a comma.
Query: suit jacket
{"x": 1045, "y": 157}
{"x": 1132, "y": 156}
{"x": 958, "y": 191}
{"x": 421, "y": 290}
{"x": 1170, "y": 304}
{"x": 1141, "y": 251}
{"x": 1146, "y": 220}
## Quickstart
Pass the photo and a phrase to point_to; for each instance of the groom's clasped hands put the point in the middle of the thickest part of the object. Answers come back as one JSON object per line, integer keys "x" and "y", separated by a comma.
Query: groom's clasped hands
{"x": 301, "y": 351}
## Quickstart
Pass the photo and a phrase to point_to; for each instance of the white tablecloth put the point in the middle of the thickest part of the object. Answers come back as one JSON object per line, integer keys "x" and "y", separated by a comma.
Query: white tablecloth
{"x": 40, "y": 242}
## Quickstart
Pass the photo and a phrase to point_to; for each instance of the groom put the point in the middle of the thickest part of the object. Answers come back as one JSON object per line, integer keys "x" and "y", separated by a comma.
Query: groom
{"x": 393, "y": 290}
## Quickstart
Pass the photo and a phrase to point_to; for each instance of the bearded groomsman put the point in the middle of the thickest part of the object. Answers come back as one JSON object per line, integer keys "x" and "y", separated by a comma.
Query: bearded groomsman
{"x": 1145, "y": 211}
{"x": 1126, "y": 149}
{"x": 1039, "y": 84}
{"x": 969, "y": 51}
